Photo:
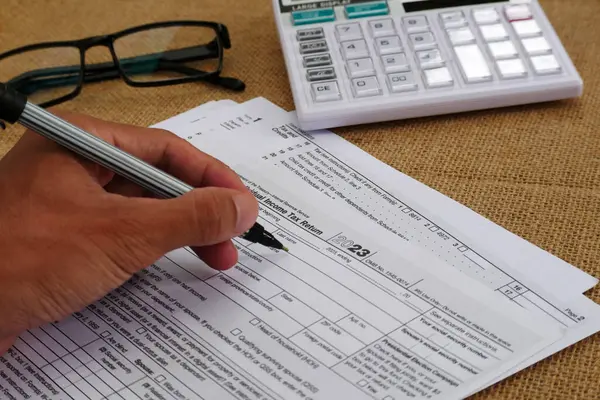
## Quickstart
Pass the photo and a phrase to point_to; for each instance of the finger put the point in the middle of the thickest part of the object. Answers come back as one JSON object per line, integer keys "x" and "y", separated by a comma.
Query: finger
{"x": 220, "y": 256}
{"x": 164, "y": 150}
{"x": 202, "y": 217}
{"x": 6, "y": 344}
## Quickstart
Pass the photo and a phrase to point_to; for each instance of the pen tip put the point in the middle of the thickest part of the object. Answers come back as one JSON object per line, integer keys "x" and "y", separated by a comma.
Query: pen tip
{"x": 286, "y": 249}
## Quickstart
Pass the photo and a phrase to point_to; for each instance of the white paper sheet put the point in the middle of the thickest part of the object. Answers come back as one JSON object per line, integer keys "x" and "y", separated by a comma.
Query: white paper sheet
{"x": 262, "y": 138}
{"x": 345, "y": 314}
{"x": 197, "y": 114}
{"x": 467, "y": 228}
{"x": 267, "y": 139}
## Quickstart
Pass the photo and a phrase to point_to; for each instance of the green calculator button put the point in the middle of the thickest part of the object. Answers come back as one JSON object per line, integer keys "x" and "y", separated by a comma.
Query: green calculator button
{"x": 372, "y": 9}
{"x": 313, "y": 16}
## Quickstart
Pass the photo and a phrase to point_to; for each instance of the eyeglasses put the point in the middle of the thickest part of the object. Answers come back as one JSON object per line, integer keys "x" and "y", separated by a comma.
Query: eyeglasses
{"x": 156, "y": 54}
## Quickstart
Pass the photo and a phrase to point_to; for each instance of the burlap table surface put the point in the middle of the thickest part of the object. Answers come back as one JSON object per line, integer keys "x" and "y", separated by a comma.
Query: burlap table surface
{"x": 535, "y": 169}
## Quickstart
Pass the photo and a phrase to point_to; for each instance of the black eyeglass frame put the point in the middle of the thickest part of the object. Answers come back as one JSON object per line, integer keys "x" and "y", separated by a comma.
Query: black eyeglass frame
{"x": 222, "y": 41}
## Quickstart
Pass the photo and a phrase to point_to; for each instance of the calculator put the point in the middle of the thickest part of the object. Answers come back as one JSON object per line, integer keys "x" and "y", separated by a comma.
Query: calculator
{"x": 352, "y": 62}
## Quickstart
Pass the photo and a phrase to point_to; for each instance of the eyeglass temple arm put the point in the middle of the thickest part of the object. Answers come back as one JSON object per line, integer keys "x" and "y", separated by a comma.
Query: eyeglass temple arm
{"x": 33, "y": 85}
{"x": 224, "y": 81}
{"x": 180, "y": 55}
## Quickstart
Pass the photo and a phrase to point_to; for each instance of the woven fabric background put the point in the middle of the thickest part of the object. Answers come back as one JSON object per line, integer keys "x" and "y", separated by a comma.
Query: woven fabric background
{"x": 535, "y": 169}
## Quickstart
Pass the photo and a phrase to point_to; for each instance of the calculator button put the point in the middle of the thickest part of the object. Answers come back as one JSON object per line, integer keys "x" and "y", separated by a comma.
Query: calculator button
{"x": 321, "y": 74}
{"x": 319, "y": 60}
{"x": 382, "y": 27}
{"x": 544, "y": 65}
{"x": 453, "y": 19}
{"x": 461, "y": 35}
{"x": 536, "y": 46}
{"x": 527, "y": 28}
{"x": 366, "y": 87}
{"x": 313, "y": 47}
{"x": 502, "y": 50}
{"x": 361, "y": 67}
{"x": 310, "y": 34}
{"x": 430, "y": 58}
{"x": 494, "y": 32}
{"x": 388, "y": 45}
{"x": 348, "y": 32}
{"x": 369, "y": 9}
{"x": 510, "y": 69}
{"x": 473, "y": 64}
{"x": 354, "y": 49}
{"x": 517, "y": 12}
{"x": 326, "y": 91}
{"x": 402, "y": 82}
{"x": 415, "y": 24}
{"x": 305, "y": 17}
{"x": 438, "y": 77}
{"x": 395, "y": 63}
{"x": 422, "y": 40}
{"x": 485, "y": 16}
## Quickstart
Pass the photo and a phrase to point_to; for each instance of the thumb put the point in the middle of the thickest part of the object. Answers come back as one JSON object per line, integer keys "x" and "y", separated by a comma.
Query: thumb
{"x": 201, "y": 217}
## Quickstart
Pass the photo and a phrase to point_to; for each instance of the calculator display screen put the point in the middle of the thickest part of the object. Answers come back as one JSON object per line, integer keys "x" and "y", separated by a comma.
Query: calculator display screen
{"x": 297, "y": 5}
{"x": 424, "y": 5}
{"x": 296, "y": 2}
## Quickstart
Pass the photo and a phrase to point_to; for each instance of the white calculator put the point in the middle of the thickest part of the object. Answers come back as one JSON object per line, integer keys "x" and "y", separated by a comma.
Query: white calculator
{"x": 354, "y": 61}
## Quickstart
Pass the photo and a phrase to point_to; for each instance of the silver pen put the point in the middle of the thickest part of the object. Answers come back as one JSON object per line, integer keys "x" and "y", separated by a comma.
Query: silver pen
{"x": 14, "y": 108}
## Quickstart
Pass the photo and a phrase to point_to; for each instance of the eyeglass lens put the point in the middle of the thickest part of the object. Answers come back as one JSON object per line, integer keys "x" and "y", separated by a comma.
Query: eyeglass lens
{"x": 163, "y": 54}
{"x": 43, "y": 75}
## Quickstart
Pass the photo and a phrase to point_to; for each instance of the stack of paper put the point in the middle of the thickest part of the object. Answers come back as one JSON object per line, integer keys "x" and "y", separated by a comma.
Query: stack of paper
{"x": 390, "y": 290}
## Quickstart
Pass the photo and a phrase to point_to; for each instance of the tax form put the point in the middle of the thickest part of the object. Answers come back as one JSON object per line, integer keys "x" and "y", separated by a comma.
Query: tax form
{"x": 461, "y": 224}
{"x": 327, "y": 164}
{"x": 347, "y": 313}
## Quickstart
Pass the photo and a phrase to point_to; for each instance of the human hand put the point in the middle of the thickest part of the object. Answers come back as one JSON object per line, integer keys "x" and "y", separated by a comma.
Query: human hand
{"x": 71, "y": 231}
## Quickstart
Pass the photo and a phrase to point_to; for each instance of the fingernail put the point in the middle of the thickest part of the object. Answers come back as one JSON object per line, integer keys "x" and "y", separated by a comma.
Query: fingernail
{"x": 246, "y": 212}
